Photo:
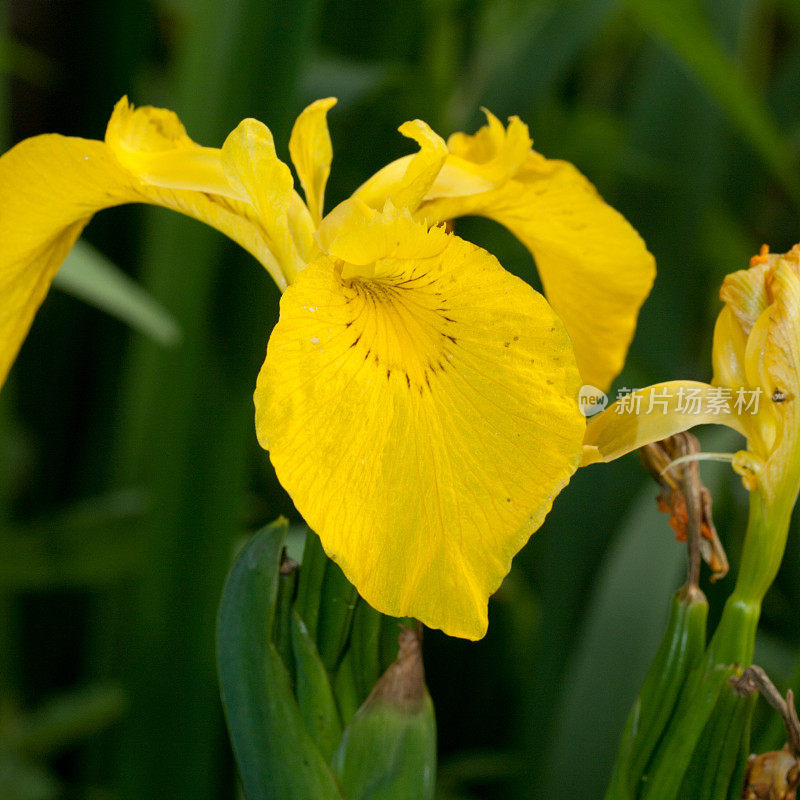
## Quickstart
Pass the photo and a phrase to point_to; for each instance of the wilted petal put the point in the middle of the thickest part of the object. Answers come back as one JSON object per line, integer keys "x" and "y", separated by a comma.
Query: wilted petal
{"x": 776, "y": 352}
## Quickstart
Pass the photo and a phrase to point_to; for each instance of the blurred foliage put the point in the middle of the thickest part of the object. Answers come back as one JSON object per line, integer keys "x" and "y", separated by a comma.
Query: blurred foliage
{"x": 128, "y": 470}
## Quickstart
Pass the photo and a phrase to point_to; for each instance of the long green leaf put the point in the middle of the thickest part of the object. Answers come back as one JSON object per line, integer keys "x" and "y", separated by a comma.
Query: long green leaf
{"x": 276, "y": 756}
{"x": 67, "y": 718}
{"x": 88, "y": 275}
{"x": 685, "y": 29}
{"x": 314, "y": 693}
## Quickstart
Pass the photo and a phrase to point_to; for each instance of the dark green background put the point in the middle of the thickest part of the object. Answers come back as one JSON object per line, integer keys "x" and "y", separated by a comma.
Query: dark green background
{"x": 129, "y": 471}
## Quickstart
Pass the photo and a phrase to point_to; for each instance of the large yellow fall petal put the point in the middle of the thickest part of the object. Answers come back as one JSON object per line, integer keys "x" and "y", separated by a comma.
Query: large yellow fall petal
{"x": 422, "y": 418}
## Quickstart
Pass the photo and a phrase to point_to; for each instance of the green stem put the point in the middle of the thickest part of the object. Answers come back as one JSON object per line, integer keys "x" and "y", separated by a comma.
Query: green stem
{"x": 764, "y": 544}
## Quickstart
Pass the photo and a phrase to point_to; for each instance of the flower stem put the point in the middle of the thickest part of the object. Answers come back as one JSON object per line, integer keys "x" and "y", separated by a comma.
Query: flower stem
{"x": 764, "y": 544}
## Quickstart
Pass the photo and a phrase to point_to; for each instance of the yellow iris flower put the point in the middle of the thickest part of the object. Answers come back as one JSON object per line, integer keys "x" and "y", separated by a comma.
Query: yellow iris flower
{"x": 417, "y": 400}
{"x": 755, "y": 390}
{"x": 755, "y": 387}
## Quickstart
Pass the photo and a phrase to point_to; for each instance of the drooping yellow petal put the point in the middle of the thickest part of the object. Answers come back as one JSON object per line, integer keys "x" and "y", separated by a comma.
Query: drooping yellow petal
{"x": 659, "y": 411}
{"x": 245, "y": 178}
{"x": 422, "y": 414}
{"x": 169, "y": 169}
{"x": 594, "y": 267}
{"x": 51, "y": 186}
{"x": 152, "y": 144}
{"x": 312, "y": 153}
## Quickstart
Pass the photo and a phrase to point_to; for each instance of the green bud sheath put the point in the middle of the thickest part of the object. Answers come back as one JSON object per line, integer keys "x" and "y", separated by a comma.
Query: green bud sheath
{"x": 309, "y": 584}
{"x": 681, "y": 650}
{"x": 276, "y": 755}
{"x": 695, "y": 706}
{"x": 388, "y": 751}
{"x": 722, "y": 750}
{"x": 313, "y": 691}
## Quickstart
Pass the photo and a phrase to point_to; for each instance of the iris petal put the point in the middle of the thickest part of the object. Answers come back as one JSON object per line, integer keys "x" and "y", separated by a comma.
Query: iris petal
{"x": 311, "y": 151}
{"x": 422, "y": 414}
{"x": 655, "y": 413}
{"x": 249, "y": 160}
{"x": 53, "y": 185}
{"x": 595, "y": 268}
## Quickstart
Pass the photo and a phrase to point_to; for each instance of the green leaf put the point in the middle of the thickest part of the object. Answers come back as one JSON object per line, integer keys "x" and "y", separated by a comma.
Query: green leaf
{"x": 365, "y": 643}
{"x": 309, "y": 584}
{"x": 625, "y": 622}
{"x": 21, "y": 61}
{"x": 21, "y": 779}
{"x": 680, "y": 652}
{"x": 275, "y": 753}
{"x": 94, "y": 543}
{"x": 722, "y": 748}
{"x": 88, "y": 275}
{"x": 684, "y": 28}
{"x": 335, "y": 615}
{"x": 688, "y": 723}
{"x": 68, "y": 718}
